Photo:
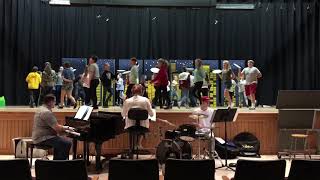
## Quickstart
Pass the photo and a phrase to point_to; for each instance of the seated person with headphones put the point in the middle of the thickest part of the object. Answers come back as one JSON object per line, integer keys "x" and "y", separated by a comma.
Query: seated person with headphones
{"x": 137, "y": 100}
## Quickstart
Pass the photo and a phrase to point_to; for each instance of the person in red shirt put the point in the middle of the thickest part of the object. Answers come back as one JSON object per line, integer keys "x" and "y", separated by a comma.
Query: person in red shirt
{"x": 161, "y": 83}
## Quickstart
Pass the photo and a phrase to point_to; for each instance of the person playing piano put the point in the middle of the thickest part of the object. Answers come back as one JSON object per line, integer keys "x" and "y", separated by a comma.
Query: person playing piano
{"x": 205, "y": 124}
{"x": 137, "y": 100}
{"x": 46, "y": 129}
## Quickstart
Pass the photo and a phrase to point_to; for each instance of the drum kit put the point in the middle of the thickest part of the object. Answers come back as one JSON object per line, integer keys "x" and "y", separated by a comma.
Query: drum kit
{"x": 177, "y": 142}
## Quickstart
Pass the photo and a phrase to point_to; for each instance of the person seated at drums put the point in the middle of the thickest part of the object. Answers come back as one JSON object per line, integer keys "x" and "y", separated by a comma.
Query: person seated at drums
{"x": 205, "y": 125}
{"x": 137, "y": 100}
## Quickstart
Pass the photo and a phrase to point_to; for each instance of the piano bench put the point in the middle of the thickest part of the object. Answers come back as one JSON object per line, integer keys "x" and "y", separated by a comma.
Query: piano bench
{"x": 30, "y": 145}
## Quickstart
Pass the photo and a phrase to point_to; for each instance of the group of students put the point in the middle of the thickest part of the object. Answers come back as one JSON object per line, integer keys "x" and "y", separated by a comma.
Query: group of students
{"x": 194, "y": 83}
{"x": 64, "y": 84}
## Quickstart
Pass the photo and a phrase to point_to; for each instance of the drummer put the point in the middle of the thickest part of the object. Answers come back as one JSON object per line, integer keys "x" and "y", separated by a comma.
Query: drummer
{"x": 205, "y": 124}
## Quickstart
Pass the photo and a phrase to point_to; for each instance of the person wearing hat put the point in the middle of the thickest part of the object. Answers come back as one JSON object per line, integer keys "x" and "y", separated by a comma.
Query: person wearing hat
{"x": 205, "y": 125}
{"x": 33, "y": 79}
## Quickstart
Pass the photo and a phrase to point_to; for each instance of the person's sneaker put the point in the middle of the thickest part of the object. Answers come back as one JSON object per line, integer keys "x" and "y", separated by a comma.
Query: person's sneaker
{"x": 179, "y": 105}
{"x": 60, "y": 107}
{"x": 74, "y": 105}
{"x": 252, "y": 108}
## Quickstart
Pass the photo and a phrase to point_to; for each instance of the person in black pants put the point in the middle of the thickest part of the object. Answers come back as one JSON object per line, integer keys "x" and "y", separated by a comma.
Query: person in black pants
{"x": 199, "y": 75}
{"x": 133, "y": 77}
{"x": 94, "y": 76}
{"x": 106, "y": 80}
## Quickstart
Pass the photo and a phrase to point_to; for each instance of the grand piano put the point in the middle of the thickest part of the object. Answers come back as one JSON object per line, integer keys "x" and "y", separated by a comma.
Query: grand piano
{"x": 100, "y": 127}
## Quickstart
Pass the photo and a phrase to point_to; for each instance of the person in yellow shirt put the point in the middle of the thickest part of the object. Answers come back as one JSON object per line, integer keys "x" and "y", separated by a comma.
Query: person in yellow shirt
{"x": 33, "y": 79}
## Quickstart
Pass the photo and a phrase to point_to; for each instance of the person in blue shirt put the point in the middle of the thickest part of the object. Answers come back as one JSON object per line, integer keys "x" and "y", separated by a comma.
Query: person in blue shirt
{"x": 67, "y": 86}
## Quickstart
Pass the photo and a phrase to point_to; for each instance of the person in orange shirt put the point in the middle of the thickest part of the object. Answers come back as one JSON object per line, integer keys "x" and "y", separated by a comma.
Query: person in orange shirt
{"x": 33, "y": 79}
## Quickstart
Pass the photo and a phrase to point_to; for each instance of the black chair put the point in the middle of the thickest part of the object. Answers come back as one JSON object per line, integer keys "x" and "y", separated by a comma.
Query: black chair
{"x": 122, "y": 169}
{"x": 61, "y": 169}
{"x": 260, "y": 170}
{"x": 137, "y": 114}
{"x": 304, "y": 169}
{"x": 17, "y": 169}
{"x": 189, "y": 169}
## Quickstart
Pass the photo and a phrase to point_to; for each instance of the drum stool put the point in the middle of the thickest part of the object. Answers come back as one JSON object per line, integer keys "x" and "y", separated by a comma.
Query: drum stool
{"x": 137, "y": 114}
{"x": 293, "y": 147}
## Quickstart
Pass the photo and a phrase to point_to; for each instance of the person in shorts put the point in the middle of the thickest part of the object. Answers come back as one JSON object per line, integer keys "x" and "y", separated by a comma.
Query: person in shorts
{"x": 251, "y": 75}
{"x": 227, "y": 76}
{"x": 67, "y": 86}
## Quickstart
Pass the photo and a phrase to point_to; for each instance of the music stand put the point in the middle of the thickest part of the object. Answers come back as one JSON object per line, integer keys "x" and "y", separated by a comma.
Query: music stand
{"x": 225, "y": 115}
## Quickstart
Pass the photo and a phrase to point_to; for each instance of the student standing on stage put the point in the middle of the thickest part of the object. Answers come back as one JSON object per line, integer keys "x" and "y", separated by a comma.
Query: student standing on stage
{"x": 206, "y": 86}
{"x": 94, "y": 76}
{"x": 199, "y": 75}
{"x": 133, "y": 76}
{"x": 59, "y": 82}
{"x": 67, "y": 86}
{"x": 227, "y": 76}
{"x": 106, "y": 80}
{"x": 161, "y": 81}
{"x": 184, "y": 84}
{"x": 48, "y": 80}
{"x": 46, "y": 129}
{"x": 33, "y": 79}
{"x": 85, "y": 80}
{"x": 251, "y": 75}
{"x": 119, "y": 90}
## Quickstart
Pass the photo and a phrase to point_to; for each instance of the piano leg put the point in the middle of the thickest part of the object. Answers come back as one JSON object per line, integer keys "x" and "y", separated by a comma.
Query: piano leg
{"x": 87, "y": 153}
{"x": 74, "y": 148}
{"x": 98, "y": 156}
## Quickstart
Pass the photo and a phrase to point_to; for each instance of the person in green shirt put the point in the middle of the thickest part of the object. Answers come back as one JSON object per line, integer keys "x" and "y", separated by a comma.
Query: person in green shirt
{"x": 199, "y": 74}
{"x": 133, "y": 76}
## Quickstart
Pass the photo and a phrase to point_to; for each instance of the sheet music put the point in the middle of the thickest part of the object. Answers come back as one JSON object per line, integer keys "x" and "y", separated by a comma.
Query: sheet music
{"x": 84, "y": 113}
{"x": 154, "y": 117}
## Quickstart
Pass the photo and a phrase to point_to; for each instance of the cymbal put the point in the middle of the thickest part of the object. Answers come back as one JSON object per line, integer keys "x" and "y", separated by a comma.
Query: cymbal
{"x": 121, "y": 70}
{"x": 126, "y": 72}
{"x": 196, "y": 117}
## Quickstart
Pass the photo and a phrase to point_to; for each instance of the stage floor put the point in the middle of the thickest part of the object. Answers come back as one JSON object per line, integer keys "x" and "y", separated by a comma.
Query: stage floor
{"x": 119, "y": 109}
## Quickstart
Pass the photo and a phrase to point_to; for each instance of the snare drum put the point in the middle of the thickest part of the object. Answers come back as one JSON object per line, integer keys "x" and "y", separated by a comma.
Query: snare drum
{"x": 172, "y": 134}
{"x": 187, "y": 132}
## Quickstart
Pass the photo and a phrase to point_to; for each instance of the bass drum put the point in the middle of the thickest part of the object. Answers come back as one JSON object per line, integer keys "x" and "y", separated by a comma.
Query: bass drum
{"x": 176, "y": 149}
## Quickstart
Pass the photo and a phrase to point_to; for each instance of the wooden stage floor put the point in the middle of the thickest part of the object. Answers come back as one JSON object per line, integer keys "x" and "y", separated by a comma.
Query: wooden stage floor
{"x": 17, "y": 121}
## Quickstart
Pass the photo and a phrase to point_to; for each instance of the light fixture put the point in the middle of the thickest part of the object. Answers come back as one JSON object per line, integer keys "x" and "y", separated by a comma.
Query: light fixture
{"x": 60, "y": 2}
{"x": 233, "y": 6}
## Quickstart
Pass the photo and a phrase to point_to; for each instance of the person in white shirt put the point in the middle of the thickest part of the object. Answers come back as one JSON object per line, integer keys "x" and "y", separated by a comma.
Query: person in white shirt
{"x": 205, "y": 125}
{"x": 119, "y": 90}
{"x": 251, "y": 75}
{"x": 137, "y": 100}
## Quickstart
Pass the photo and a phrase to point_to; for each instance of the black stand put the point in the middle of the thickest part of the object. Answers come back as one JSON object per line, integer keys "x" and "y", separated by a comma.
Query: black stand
{"x": 225, "y": 115}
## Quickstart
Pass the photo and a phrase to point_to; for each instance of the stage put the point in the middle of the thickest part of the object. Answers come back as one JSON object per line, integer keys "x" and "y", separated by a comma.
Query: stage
{"x": 16, "y": 121}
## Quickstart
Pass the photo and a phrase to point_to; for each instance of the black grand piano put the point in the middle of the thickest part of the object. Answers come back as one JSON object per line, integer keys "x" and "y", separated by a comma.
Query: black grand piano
{"x": 100, "y": 127}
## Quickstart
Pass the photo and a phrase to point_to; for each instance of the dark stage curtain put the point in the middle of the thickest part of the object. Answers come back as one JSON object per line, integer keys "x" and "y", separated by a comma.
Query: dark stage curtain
{"x": 282, "y": 36}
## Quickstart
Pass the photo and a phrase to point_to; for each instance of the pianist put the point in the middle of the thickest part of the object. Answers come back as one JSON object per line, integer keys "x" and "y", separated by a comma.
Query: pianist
{"x": 137, "y": 100}
{"x": 46, "y": 129}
